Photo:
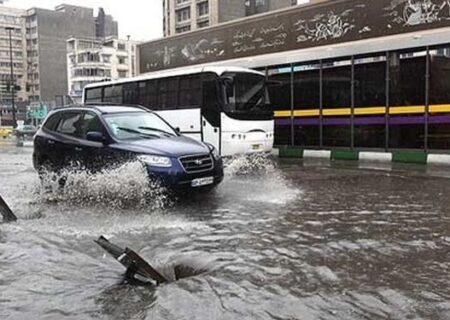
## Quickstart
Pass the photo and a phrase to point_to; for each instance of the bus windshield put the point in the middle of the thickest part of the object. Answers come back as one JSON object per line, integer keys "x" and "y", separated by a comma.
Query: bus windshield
{"x": 246, "y": 96}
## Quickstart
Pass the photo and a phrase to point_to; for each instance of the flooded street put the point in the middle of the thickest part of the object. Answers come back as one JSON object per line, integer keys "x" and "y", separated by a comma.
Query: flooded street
{"x": 295, "y": 240}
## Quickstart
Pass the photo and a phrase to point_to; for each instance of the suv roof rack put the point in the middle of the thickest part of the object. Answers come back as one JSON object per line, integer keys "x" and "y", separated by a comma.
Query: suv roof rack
{"x": 113, "y": 104}
{"x": 97, "y": 105}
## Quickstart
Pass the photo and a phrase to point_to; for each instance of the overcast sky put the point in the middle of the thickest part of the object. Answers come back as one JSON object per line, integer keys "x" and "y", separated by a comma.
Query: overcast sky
{"x": 142, "y": 19}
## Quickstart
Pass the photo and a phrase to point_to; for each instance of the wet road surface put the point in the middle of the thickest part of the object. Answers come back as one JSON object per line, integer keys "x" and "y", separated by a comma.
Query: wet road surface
{"x": 296, "y": 240}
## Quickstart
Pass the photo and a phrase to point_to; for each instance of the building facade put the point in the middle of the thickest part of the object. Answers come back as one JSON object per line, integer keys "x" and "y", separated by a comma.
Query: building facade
{"x": 95, "y": 60}
{"x": 12, "y": 20}
{"x": 187, "y": 15}
{"x": 15, "y": 19}
{"x": 351, "y": 75}
{"x": 47, "y": 34}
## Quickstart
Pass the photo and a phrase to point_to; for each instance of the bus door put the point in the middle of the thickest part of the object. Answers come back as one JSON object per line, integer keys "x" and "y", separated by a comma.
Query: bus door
{"x": 210, "y": 117}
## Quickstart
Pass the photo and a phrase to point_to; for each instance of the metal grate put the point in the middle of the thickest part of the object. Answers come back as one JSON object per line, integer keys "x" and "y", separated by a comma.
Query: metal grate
{"x": 197, "y": 163}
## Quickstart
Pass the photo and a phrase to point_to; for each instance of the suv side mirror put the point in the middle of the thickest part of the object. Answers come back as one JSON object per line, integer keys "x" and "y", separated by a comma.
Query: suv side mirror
{"x": 95, "y": 136}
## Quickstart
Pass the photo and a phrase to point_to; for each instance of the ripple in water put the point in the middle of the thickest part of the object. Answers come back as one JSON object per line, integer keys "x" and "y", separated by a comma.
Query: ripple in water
{"x": 127, "y": 186}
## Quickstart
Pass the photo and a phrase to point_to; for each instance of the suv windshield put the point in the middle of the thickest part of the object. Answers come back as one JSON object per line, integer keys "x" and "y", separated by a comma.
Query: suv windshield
{"x": 138, "y": 125}
{"x": 246, "y": 96}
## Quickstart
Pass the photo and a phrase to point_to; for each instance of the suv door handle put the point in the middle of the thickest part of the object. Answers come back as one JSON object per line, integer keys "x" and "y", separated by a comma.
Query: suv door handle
{"x": 52, "y": 142}
{"x": 78, "y": 149}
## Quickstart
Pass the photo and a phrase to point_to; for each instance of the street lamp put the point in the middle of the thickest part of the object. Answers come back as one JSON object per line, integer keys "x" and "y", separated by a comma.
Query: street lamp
{"x": 12, "y": 86}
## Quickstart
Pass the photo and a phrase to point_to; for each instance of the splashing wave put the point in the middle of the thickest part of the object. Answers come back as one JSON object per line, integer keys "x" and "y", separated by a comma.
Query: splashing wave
{"x": 127, "y": 186}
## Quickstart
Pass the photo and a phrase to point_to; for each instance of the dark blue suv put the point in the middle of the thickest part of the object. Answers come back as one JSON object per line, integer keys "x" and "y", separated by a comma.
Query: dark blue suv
{"x": 98, "y": 137}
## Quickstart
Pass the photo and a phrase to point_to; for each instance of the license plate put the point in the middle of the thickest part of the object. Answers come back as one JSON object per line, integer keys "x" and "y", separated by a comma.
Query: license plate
{"x": 256, "y": 146}
{"x": 202, "y": 182}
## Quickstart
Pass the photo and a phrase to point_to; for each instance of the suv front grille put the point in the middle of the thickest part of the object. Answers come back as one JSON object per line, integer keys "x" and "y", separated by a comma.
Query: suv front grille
{"x": 198, "y": 163}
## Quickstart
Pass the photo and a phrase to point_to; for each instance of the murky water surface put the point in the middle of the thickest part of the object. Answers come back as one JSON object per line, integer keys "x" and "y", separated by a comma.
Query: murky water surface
{"x": 279, "y": 240}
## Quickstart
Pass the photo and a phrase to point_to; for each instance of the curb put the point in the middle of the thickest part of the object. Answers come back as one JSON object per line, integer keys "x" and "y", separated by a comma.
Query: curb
{"x": 385, "y": 157}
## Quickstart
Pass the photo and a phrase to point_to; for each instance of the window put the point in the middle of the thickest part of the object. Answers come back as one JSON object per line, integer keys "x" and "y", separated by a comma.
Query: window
{"x": 183, "y": 14}
{"x": 168, "y": 93}
{"x": 90, "y": 123}
{"x": 148, "y": 94}
{"x": 52, "y": 121}
{"x": 370, "y": 92}
{"x": 336, "y": 82}
{"x": 203, "y": 9}
{"x": 183, "y": 29}
{"x": 93, "y": 95}
{"x": 280, "y": 96}
{"x": 203, "y": 24}
{"x": 407, "y": 89}
{"x": 190, "y": 92}
{"x": 211, "y": 98}
{"x": 113, "y": 94}
{"x": 138, "y": 125}
{"x": 130, "y": 93}
{"x": 70, "y": 124}
{"x": 439, "y": 121}
{"x": 122, "y": 74}
{"x": 307, "y": 104}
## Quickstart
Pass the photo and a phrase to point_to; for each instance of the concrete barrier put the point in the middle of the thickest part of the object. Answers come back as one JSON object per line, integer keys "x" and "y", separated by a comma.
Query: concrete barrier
{"x": 439, "y": 159}
{"x": 414, "y": 157}
{"x": 375, "y": 156}
{"x": 321, "y": 154}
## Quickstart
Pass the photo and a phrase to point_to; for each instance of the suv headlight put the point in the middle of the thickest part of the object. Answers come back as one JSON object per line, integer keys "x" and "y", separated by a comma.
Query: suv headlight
{"x": 155, "y": 161}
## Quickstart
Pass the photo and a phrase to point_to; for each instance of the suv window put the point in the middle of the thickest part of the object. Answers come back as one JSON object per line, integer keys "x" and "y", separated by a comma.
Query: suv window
{"x": 70, "y": 124}
{"x": 90, "y": 123}
{"x": 52, "y": 122}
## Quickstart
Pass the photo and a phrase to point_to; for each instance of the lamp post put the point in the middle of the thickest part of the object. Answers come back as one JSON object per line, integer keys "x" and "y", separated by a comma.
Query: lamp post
{"x": 12, "y": 86}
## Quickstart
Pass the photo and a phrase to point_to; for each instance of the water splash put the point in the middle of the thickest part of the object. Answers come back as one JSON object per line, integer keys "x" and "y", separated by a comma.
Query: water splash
{"x": 257, "y": 178}
{"x": 258, "y": 163}
{"x": 127, "y": 186}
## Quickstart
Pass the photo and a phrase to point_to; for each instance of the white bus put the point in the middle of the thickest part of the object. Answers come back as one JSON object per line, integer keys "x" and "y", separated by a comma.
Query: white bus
{"x": 226, "y": 107}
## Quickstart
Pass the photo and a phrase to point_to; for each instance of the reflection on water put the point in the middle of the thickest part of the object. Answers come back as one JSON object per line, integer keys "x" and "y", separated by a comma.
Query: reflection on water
{"x": 278, "y": 241}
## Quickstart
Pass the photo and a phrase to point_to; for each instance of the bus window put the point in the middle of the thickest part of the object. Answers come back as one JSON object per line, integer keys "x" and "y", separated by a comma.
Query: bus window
{"x": 168, "y": 93}
{"x": 148, "y": 95}
{"x": 130, "y": 93}
{"x": 211, "y": 106}
{"x": 190, "y": 92}
{"x": 113, "y": 94}
{"x": 93, "y": 95}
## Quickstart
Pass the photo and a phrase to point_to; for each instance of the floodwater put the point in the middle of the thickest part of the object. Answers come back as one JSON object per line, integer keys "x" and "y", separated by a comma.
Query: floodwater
{"x": 278, "y": 240}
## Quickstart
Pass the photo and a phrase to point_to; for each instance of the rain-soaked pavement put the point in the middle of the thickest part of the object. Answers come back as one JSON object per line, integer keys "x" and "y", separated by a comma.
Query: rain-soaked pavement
{"x": 297, "y": 240}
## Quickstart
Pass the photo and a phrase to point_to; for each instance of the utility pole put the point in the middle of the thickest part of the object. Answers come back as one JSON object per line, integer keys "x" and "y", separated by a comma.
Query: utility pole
{"x": 12, "y": 85}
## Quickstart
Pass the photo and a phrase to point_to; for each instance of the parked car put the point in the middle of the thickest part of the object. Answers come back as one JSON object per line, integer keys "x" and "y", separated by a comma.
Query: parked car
{"x": 97, "y": 137}
{"x": 25, "y": 131}
{"x": 5, "y": 132}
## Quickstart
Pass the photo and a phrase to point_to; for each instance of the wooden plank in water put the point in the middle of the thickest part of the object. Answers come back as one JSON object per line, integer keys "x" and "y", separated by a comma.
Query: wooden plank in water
{"x": 6, "y": 212}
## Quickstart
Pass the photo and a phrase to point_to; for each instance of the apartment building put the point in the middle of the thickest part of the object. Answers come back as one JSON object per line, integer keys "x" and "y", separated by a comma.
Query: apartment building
{"x": 12, "y": 20}
{"x": 46, "y": 36}
{"x": 94, "y": 60}
{"x": 187, "y": 15}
